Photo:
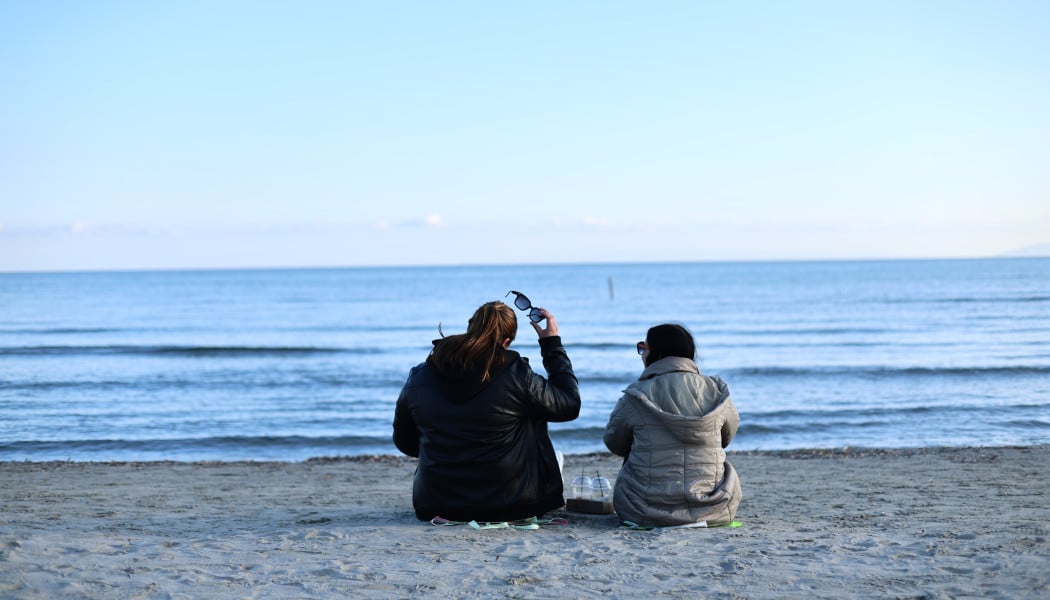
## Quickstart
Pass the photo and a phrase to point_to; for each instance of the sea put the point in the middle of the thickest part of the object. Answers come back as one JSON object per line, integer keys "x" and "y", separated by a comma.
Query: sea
{"x": 292, "y": 364}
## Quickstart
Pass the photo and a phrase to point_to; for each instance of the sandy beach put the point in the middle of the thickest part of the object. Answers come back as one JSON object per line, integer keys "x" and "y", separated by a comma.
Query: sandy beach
{"x": 925, "y": 523}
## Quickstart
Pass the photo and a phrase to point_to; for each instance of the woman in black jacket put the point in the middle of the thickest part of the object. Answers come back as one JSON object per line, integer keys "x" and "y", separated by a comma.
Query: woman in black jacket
{"x": 475, "y": 414}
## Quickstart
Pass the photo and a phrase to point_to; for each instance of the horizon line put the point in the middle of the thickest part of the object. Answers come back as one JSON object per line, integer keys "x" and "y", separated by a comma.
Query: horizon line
{"x": 189, "y": 269}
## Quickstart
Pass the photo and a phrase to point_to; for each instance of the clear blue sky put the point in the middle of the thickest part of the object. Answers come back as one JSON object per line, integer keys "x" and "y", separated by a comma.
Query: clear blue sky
{"x": 228, "y": 134}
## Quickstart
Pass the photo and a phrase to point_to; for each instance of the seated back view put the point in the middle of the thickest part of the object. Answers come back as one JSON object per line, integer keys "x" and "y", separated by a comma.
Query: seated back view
{"x": 476, "y": 415}
{"x": 672, "y": 427}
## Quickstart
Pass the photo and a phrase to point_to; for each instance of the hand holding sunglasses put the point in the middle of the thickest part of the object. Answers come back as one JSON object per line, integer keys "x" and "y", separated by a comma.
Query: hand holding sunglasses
{"x": 522, "y": 302}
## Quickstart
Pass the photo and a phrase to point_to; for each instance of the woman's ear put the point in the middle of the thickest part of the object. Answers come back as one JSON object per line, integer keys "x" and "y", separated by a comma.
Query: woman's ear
{"x": 506, "y": 343}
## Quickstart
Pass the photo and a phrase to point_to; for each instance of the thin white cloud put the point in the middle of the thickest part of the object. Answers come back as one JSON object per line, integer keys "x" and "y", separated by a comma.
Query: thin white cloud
{"x": 590, "y": 221}
{"x": 434, "y": 220}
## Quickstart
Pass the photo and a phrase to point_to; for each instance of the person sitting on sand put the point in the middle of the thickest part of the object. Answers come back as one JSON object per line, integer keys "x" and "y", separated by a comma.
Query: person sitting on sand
{"x": 672, "y": 426}
{"x": 475, "y": 414}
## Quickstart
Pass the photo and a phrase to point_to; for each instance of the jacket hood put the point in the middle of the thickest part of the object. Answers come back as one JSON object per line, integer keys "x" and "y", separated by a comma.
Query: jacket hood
{"x": 686, "y": 401}
{"x": 460, "y": 387}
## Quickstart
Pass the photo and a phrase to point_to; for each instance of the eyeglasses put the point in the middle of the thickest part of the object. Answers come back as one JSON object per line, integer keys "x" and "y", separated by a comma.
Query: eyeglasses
{"x": 642, "y": 347}
{"x": 522, "y": 302}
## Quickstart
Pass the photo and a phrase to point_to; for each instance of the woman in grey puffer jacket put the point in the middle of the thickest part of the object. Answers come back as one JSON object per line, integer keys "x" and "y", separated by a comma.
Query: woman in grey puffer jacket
{"x": 672, "y": 427}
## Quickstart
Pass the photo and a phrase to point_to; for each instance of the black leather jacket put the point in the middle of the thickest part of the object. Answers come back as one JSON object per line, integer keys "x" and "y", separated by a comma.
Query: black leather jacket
{"x": 484, "y": 451}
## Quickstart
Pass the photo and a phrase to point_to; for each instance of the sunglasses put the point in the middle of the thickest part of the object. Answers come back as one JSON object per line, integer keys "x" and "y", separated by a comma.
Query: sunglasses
{"x": 642, "y": 347}
{"x": 522, "y": 302}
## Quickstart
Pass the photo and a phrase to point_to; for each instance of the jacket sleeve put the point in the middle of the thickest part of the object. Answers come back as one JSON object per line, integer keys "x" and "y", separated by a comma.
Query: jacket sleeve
{"x": 618, "y": 433}
{"x": 731, "y": 423}
{"x": 558, "y": 396}
{"x": 406, "y": 434}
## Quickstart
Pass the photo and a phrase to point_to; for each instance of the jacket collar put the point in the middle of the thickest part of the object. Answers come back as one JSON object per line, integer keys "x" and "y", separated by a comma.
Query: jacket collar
{"x": 669, "y": 364}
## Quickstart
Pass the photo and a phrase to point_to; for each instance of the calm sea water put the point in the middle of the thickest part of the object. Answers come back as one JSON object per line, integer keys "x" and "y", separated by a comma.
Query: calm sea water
{"x": 292, "y": 364}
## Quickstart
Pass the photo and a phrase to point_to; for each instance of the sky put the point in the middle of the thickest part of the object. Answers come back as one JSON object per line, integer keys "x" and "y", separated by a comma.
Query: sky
{"x": 227, "y": 134}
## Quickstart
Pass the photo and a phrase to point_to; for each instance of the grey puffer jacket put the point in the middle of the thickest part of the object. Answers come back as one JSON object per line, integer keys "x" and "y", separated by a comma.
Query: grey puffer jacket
{"x": 672, "y": 426}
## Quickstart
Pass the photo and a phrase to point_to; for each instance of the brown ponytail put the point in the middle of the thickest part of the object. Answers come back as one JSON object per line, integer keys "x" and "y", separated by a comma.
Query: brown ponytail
{"x": 481, "y": 347}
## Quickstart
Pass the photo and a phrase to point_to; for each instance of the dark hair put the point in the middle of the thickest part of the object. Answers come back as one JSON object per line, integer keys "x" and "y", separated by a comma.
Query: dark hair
{"x": 481, "y": 347}
{"x": 669, "y": 339}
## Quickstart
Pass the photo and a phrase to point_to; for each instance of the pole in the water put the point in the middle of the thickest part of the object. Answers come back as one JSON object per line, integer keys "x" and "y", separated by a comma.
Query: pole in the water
{"x": 610, "y": 288}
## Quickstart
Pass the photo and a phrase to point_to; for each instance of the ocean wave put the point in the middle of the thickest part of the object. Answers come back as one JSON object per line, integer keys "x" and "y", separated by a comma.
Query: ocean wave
{"x": 241, "y": 382}
{"x": 779, "y": 331}
{"x": 805, "y": 416}
{"x": 369, "y": 328}
{"x": 61, "y": 330}
{"x": 162, "y": 445}
{"x": 708, "y": 345}
{"x": 182, "y": 351}
{"x": 569, "y": 432}
{"x": 1029, "y": 423}
{"x": 62, "y": 385}
{"x": 736, "y": 345}
{"x": 751, "y": 428}
{"x": 970, "y": 300}
{"x": 845, "y": 420}
{"x": 887, "y": 413}
{"x": 619, "y": 379}
{"x": 569, "y": 346}
{"x": 744, "y": 332}
{"x": 876, "y": 371}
